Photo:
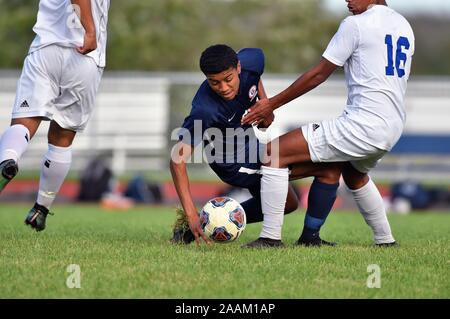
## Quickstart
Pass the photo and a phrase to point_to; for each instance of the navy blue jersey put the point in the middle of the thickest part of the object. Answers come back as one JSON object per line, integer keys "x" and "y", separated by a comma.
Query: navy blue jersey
{"x": 237, "y": 146}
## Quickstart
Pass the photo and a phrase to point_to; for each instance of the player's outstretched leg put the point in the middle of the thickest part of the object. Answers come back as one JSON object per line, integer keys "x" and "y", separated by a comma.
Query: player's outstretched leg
{"x": 370, "y": 204}
{"x": 54, "y": 169}
{"x": 55, "y": 166}
{"x": 13, "y": 143}
{"x": 274, "y": 191}
{"x": 320, "y": 201}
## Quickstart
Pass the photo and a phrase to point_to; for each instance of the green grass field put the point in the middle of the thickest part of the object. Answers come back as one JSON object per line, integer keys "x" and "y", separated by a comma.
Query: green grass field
{"x": 127, "y": 255}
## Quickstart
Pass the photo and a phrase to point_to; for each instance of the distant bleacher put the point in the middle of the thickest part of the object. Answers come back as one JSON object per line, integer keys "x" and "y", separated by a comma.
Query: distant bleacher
{"x": 129, "y": 124}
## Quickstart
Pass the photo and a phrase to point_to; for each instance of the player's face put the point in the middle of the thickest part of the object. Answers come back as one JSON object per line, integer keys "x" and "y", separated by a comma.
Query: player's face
{"x": 358, "y": 6}
{"x": 226, "y": 83}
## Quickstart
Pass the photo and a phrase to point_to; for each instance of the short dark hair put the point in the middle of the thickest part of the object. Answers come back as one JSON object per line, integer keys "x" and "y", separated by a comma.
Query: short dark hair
{"x": 218, "y": 58}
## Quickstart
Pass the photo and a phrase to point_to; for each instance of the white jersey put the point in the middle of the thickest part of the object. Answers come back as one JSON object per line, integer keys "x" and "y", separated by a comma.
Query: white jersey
{"x": 58, "y": 23}
{"x": 375, "y": 48}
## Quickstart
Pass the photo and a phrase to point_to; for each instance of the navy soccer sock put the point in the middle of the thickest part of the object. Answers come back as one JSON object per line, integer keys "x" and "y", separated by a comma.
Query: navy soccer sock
{"x": 320, "y": 201}
{"x": 253, "y": 211}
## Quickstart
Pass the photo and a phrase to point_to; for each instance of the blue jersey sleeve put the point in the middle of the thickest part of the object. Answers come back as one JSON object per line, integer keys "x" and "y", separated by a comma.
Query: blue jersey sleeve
{"x": 252, "y": 59}
{"x": 197, "y": 122}
{"x": 194, "y": 124}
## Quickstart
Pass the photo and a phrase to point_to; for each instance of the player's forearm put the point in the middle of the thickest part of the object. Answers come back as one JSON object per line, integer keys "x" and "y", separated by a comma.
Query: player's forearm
{"x": 302, "y": 85}
{"x": 181, "y": 182}
{"x": 86, "y": 17}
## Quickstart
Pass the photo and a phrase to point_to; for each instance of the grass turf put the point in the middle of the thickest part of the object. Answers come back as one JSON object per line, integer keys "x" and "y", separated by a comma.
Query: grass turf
{"x": 127, "y": 255}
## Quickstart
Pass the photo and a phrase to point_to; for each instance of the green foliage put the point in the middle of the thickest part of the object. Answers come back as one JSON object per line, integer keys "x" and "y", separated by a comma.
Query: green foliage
{"x": 17, "y": 18}
{"x": 432, "y": 45}
{"x": 127, "y": 255}
{"x": 169, "y": 35}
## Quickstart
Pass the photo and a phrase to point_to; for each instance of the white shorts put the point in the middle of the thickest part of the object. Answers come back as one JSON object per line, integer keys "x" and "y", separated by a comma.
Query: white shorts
{"x": 333, "y": 141}
{"x": 59, "y": 84}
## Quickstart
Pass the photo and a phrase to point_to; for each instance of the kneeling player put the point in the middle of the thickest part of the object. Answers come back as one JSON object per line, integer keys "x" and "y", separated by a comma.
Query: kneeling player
{"x": 232, "y": 86}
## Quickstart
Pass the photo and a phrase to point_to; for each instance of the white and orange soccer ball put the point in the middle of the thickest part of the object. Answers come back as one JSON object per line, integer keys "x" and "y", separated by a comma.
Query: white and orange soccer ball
{"x": 223, "y": 219}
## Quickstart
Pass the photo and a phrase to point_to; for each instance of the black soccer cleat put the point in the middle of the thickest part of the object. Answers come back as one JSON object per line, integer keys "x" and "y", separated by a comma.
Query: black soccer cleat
{"x": 314, "y": 241}
{"x": 182, "y": 234}
{"x": 37, "y": 216}
{"x": 8, "y": 169}
{"x": 262, "y": 242}
{"x": 392, "y": 244}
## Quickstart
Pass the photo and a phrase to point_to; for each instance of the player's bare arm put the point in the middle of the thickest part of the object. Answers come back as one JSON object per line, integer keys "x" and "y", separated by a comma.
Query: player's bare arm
{"x": 90, "y": 36}
{"x": 305, "y": 83}
{"x": 181, "y": 153}
{"x": 263, "y": 95}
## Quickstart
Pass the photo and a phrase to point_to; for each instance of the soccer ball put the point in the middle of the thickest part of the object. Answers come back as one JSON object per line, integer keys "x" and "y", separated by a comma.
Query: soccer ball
{"x": 223, "y": 219}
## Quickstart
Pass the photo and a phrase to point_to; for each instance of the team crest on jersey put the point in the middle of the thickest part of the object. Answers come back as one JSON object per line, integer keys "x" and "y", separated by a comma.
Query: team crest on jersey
{"x": 252, "y": 92}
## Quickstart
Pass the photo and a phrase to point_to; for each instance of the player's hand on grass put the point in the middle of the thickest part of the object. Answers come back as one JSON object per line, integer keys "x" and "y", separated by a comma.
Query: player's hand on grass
{"x": 90, "y": 43}
{"x": 260, "y": 112}
{"x": 194, "y": 225}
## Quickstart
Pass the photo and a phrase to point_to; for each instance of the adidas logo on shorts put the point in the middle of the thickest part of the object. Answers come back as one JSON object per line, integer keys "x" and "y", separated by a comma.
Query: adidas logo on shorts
{"x": 24, "y": 104}
{"x": 315, "y": 127}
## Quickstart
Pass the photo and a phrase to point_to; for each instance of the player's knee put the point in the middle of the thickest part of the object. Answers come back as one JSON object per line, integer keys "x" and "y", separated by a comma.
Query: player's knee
{"x": 352, "y": 178}
{"x": 291, "y": 206}
{"x": 330, "y": 175}
{"x": 291, "y": 202}
{"x": 355, "y": 182}
{"x": 30, "y": 124}
{"x": 59, "y": 136}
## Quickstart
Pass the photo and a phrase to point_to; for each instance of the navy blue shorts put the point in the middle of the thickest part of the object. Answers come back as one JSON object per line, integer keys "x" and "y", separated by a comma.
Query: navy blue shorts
{"x": 239, "y": 175}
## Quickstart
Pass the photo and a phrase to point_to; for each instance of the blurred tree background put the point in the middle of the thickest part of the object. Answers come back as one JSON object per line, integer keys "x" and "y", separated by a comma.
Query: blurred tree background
{"x": 169, "y": 35}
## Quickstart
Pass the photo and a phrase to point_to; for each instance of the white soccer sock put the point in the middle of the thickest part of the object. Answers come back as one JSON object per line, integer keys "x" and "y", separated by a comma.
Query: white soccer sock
{"x": 14, "y": 142}
{"x": 274, "y": 190}
{"x": 55, "y": 166}
{"x": 371, "y": 206}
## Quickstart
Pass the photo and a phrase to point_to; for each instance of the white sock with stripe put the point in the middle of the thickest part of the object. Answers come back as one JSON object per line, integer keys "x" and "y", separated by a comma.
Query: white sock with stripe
{"x": 371, "y": 205}
{"x": 14, "y": 142}
{"x": 55, "y": 166}
{"x": 274, "y": 190}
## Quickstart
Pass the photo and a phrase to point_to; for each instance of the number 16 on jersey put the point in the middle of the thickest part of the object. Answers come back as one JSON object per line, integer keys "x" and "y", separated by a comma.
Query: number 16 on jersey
{"x": 402, "y": 43}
